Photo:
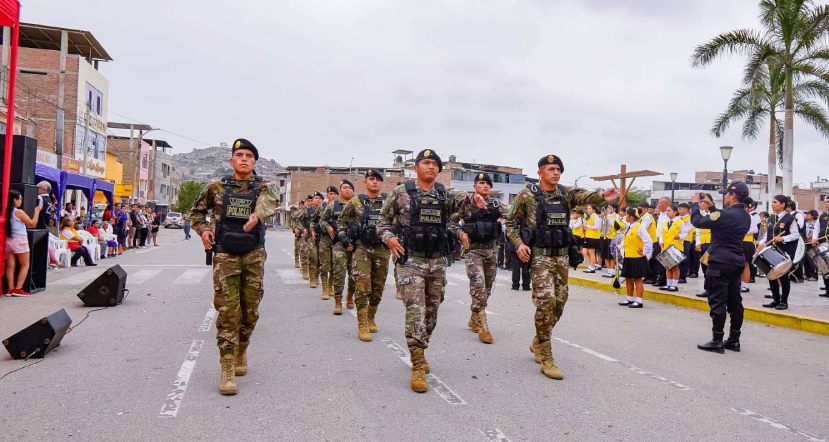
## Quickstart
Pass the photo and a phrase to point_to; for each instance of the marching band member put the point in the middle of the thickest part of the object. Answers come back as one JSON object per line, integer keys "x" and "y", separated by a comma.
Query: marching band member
{"x": 821, "y": 235}
{"x": 648, "y": 223}
{"x": 577, "y": 227}
{"x": 684, "y": 230}
{"x": 636, "y": 247}
{"x": 782, "y": 234}
{"x": 611, "y": 226}
{"x": 592, "y": 240}
{"x": 670, "y": 237}
{"x": 800, "y": 228}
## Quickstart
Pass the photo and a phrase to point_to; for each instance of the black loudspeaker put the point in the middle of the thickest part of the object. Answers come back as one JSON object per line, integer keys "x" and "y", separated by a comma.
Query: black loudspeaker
{"x": 39, "y": 338}
{"x": 38, "y": 262}
{"x": 24, "y": 156}
{"x": 29, "y": 193}
{"x": 106, "y": 290}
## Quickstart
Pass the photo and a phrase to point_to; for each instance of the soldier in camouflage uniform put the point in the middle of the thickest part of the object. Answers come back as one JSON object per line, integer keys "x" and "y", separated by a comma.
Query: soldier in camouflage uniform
{"x": 370, "y": 265}
{"x": 238, "y": 205}
{"x": 324, "y": 241}
{"x": 415, "y": 225}
{"x": 296, "y": 224}
{"x": 290, "y": 223}
{"x": 309, "y": 251}
{"x": 342, "y": 254}
{"x": 481, "y": 227}
{"x": 537, "y": 224}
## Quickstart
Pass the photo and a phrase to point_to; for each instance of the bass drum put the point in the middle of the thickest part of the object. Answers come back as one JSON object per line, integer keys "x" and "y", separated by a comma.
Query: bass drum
{"x": 819, "y": 255}
{"x": 773, "y": 263}
{"x": 800, "y": 251}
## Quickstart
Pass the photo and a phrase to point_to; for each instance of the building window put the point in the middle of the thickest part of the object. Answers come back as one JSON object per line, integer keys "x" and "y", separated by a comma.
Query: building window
{"x": 163, "y": 189}
{"x": 95, "y": 99}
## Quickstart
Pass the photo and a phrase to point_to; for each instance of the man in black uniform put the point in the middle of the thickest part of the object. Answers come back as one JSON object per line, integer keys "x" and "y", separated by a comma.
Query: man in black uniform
{"x": 726, "y": 261}
{"x": 821, "y": 234}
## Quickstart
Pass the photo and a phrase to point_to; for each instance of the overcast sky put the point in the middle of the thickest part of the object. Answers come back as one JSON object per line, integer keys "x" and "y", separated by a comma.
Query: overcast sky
{"x": 597, "y": 82}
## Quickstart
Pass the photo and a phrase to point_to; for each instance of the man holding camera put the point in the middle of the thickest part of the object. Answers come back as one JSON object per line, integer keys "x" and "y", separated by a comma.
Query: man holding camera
{"x": 538, "y": 226}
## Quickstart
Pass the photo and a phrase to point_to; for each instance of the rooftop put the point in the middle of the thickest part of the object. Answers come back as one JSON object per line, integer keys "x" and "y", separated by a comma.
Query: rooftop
{"x": 80, "y": 42}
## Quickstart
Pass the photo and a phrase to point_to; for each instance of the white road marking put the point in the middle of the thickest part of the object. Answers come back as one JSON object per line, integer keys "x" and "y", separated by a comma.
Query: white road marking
{"x": 497, "y": 315}
{"x": 289, "y": 253}
{"x": 445, "y": 392}
{"x": 778, "y": 425}
{"x": 208, "y": 319}
{"x": 143, "y": 275}
{"x": 494, "y": 434}
{"x": 625, "y": 364}
{"x": 173, "y": 402}
{"x": 80, "y": 278}
{"x": 192, "y": 276}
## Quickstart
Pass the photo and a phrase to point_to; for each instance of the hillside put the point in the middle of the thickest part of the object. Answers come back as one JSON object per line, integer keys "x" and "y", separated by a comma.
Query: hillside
{"x": 213, "y": 162}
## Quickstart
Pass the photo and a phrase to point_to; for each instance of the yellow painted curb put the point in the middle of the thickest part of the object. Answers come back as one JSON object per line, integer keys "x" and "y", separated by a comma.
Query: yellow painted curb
{"x": 780, "y": 319}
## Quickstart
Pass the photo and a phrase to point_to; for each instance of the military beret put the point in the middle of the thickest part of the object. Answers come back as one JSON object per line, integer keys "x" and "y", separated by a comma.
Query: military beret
{"x": 551, "y": 159}
{"x": 374, "y": 173}
{"x": 347, "y": 183}
{"x": 242, "y": 143}
{"x": 318, "y": 194}
{"x": 483, "y": 177}
{"x": 309, "y": 197}
{"x": 332, "y": 189}
{"x": 430, "y": 155}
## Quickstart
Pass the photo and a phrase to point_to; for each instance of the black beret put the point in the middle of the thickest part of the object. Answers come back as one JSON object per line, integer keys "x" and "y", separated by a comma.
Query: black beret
{"x": 333, "y": 189}
{"x": 310, "y": 197}
{"x": 431, "y": 155}
{"x": 374, "y": 173}
{"x": 346, "y": 182}
{"x": 483, "y": 177}
{"x": 319, "y": 194}
{"x": 551, "y": 159}
{"x": 242, "y": 143}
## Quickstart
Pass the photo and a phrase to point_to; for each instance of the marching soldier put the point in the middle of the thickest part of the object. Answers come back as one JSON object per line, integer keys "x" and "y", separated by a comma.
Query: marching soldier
{"x": 302, "y": 232}
{"x": 414, "y": 223}
{"x": 537, "y": 224}
{"x": 324, "y": 241}
{"x": 310, "y": 252}
{"x": 341, "y": 252}
{"x": 290, "y": 223}
{"x": 370, "y": 262}
{"x": 481, "y": 229}
{"x": 239, "y": 204}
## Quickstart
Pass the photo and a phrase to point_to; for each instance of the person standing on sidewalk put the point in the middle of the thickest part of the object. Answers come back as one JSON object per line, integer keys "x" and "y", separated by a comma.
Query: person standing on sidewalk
{"x": 239, "y": 204}
{"x": 726, "y": 261}
{"x": 186, "y": 227}
{"x": 538, "y": 226}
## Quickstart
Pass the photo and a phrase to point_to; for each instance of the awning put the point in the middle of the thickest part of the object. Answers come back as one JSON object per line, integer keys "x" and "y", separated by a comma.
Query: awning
{"x": 83, "y": 183}
{"x": 107, "y": 188}
{"x": 55, "y": 177}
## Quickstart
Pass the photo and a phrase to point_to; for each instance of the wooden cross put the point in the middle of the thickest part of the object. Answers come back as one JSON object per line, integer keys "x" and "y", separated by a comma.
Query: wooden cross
{"x": 623, "y": 186}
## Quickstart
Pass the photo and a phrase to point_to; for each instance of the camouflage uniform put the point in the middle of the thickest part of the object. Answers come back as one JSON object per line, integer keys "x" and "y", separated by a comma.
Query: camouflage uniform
{"x": 291, "y": 224}
{"x": 237, "y": 280}
{"x": 422, "y": 280}
{"x": 310, "y": 257}
{"x": 341, "y": 263}
{"x": 299, "y": 241}
{"x": 324, "y": 245}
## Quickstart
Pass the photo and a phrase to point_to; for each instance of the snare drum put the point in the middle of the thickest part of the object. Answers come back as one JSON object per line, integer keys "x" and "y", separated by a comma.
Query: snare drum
{"x": 671, "y": 257}
{"x": 773, "y": 263}
{"x": 819, "y": 254}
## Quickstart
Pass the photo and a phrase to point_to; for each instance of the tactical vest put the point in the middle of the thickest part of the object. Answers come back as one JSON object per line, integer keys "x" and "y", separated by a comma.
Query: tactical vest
{"x": 552, "y": 219}
{"x": 236, "y": 211}
{"x": 483, "y": 225}
{"x": 427, "y": 232}
{"x": 309, "y": 211}
{"x": 317, "y": 227}
{"x": 367, "y": 231}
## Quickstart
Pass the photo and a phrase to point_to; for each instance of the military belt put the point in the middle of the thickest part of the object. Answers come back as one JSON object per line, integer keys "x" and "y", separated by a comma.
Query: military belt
{"x": 218, "y": 248}
{"x": 538, "y": 251}
{"x": 483, "y": 245}
{"x": 428, "y": 255}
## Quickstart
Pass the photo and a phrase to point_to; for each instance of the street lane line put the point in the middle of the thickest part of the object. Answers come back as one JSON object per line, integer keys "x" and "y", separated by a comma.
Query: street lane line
{"x": 192, "y": 276}
{"x": 80, "y": 278}
{"x": 626, "y": 365}
{"x": 445, "y": 392}
{"x": 778, "y": 425}
{"x": 494, "y": 434}
{"x": 497, "y": 315}
{"x": 173, "y": 402}
{"x": 143, "y": 275}
{"x": 208, "y": 319}
{"x": 289, "y": 253}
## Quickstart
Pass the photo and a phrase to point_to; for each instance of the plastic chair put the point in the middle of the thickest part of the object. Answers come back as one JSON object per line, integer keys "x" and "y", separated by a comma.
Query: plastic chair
{"x": 62, "y": 251}
{"x": 91, "y": 244}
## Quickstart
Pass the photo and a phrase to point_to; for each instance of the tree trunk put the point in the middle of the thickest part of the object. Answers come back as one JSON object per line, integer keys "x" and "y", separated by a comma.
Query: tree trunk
{"x": 788, "y": 137}
{"x": 772, "y": 185}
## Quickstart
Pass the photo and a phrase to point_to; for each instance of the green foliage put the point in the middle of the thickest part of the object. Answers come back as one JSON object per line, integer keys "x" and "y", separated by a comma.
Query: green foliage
{"x": 188, "y": 192}
{"x": 636, "y": 195}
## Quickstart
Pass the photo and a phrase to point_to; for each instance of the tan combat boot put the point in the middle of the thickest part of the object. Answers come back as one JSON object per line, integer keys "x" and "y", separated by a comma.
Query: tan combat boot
{"x": 228, "y": 383}
{"x": 338, "y": 304}
{"x": 325, "y": 291}
{"x": 534, "y": 350}
{"x": 418, "y": 383}
{"x": 473, "y": 322}
{"x": 372, "y": 326}
{"x": 313, "y": 283}
{"x": 349, "y": 300}
{"x": 240, "y": 368}
{"x": 362, "y": 325}
{"x": 399, "y": 296}
{"x": 548, "y": 364}
{"x": 305, "y": 273}
{"x": 426, "y": 368}
{"x": 483, "y": 328}
{"x": 296, "y": 263}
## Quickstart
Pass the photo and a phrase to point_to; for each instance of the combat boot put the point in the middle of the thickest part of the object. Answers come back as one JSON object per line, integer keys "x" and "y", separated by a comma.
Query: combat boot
{"x": 325, "y": 291}
{"x": 313, "y": 283}
{"x": 296, "y": 263}
{"x": 733, "y": 341}
{"x": 362, "y": 325}
{"x": 473, "y": 322}
{"x": 548, "y": 364}
{"x": 426, "y": 368}
{"x": 338, "y": 304}
{"x": 240, "y": 368}
{"x": 227, "y": 385}
{"x": 305, "y": 274}
{"x": 349, "y": 300}
{"x": 372, "y": 326}
{"x": 399, "y": 296}
{"x": 534, "y": 350}
{"x": 715, "y": 345}
{"x": 418, "y": 383}
{"x": 483, "y": 328}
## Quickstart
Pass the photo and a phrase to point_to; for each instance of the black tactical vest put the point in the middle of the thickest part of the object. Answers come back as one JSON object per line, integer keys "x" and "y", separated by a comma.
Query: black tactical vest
{"x": 236, "y": 210}
{"x": 427, "y": 227}
{"x": 552, "y": 219}
{"x": 483, "y": 225}
{"x": 368, "y": 223}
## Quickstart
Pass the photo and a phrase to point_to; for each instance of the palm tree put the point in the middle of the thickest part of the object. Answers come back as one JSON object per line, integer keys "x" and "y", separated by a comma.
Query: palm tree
{"x": 763, "y": 100}
{"x": 795, "y": 36}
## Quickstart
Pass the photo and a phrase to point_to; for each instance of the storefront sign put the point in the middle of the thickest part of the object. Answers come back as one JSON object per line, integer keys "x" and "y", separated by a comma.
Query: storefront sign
{"x": 47, "y": 158}
{"x": 96, "y": 168}
{"x": 95, "y": 122}
{"x": 71, "y": 165}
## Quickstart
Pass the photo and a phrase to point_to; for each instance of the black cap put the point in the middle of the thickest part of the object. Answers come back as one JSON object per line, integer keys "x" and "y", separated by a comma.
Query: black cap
{"x": 319, "y": 194}
{"x": 551, "y": 159}
{"x": 332, "y": 189}
{"x": 737, "y": 187}
{"x": 374, "y": 173}
{"x": 483, "y": 177}
{"x": 310, "y": 197}
{"x": 431, "y": 155}
{"x": 349, "y": 183}
{"x": 242, "y": 143}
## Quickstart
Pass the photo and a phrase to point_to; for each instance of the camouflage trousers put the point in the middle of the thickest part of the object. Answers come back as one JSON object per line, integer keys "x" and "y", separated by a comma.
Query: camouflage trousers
{"x": 342, "y": 267}
{"x": 237, "y": 291}
{"x": 297, "y": 241}
{"x": 396, "y": 282}
{"x": 310, "y": 259}
{"x": 549, "y": 277}
{"x": 325, "y": 258}
{"x": 370, "y": 267}
{"x": 422, "y": 283}
{"x": 481, "y": 268}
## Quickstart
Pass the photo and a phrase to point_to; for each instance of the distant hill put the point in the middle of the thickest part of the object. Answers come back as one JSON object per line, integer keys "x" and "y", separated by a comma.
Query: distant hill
{"x": 214, "y": 162}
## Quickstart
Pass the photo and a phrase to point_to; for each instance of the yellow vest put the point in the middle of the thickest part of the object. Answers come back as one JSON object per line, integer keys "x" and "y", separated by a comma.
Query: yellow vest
{"x": 580, "y": 231}
{"x": 651, "y": 227}
{"x": 692, "y": 232}
{"x": 633, "y": 243}
{"x": 749, "y": 237}
{"x": 670, "y": 235}
{"x": 591, "y": 221}
{"x": 613, "y": 230}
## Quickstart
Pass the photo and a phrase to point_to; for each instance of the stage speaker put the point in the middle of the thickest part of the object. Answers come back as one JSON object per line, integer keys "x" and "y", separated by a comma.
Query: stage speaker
{"x": 39, "y": 338}
{"x": 106, "y": 290}
{"x": 29, "y": 193}
{"x": 24, "y": 156}
{"x": 38, "y": 262}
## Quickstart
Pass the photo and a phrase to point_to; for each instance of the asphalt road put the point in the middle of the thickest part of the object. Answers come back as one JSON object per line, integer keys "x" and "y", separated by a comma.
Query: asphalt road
{"x": 148, "y": 369}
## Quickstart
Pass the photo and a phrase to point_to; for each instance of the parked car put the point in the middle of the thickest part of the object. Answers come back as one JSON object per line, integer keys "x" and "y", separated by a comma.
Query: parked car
{"x": 174, "y": 219}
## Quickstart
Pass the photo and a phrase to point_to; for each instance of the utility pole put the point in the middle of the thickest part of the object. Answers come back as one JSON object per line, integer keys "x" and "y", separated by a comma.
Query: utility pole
{"x": 152, "y": 175}
{"x": 137, "y": 185}
{"x": 86, "y": 135}
{"x": 60, "y": 117}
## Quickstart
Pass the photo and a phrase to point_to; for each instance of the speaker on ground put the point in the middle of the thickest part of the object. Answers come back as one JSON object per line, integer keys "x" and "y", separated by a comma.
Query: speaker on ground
{"x": 39, "y": 338}
{"x": 106, "y": 290}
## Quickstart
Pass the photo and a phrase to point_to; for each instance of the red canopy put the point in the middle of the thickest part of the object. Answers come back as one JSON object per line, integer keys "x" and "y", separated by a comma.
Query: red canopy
{"x": 9, "y": 16}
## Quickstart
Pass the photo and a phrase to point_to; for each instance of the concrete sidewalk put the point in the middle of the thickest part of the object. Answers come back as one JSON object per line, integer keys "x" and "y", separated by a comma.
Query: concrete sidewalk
{"x": 807, "y": 311}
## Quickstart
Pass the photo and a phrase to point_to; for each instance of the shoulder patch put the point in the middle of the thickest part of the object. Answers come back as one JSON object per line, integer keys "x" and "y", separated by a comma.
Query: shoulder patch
{"x": 715, "y": 216}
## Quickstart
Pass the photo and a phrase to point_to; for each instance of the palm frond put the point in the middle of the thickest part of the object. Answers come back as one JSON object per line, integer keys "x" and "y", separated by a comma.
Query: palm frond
{"x": 758, "y": 61}
{"x": 751, "y": 126}
{"x": 814, "y": 115}
{"x": 737, "y": 108}
{"x": 743, "y": 41}
{"x": 811, "y": 89}
{"x": 779, "y": 130}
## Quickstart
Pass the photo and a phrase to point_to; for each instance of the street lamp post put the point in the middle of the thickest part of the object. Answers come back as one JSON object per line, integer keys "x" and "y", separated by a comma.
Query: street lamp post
{"x": 674, "y": 175}
{"x": 725, "y": 151}
{"x": 576, "y": 184}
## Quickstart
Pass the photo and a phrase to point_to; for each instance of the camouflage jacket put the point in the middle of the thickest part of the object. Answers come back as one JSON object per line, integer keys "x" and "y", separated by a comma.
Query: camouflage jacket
{"x": 354, "y": 211}
{"x": 522, "y": 211}
{"x": 315, "y": 218}
{"x": 466, "y": 207}
{"x": 210, "y": 200}
{"x": 396, "y": 210}
{"x": 325, "y": 217}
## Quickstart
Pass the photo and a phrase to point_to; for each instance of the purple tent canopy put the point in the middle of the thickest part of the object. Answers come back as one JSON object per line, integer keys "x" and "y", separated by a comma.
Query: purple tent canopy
{"x": 54, "y": 176}
{"x": 107, "y": 188}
